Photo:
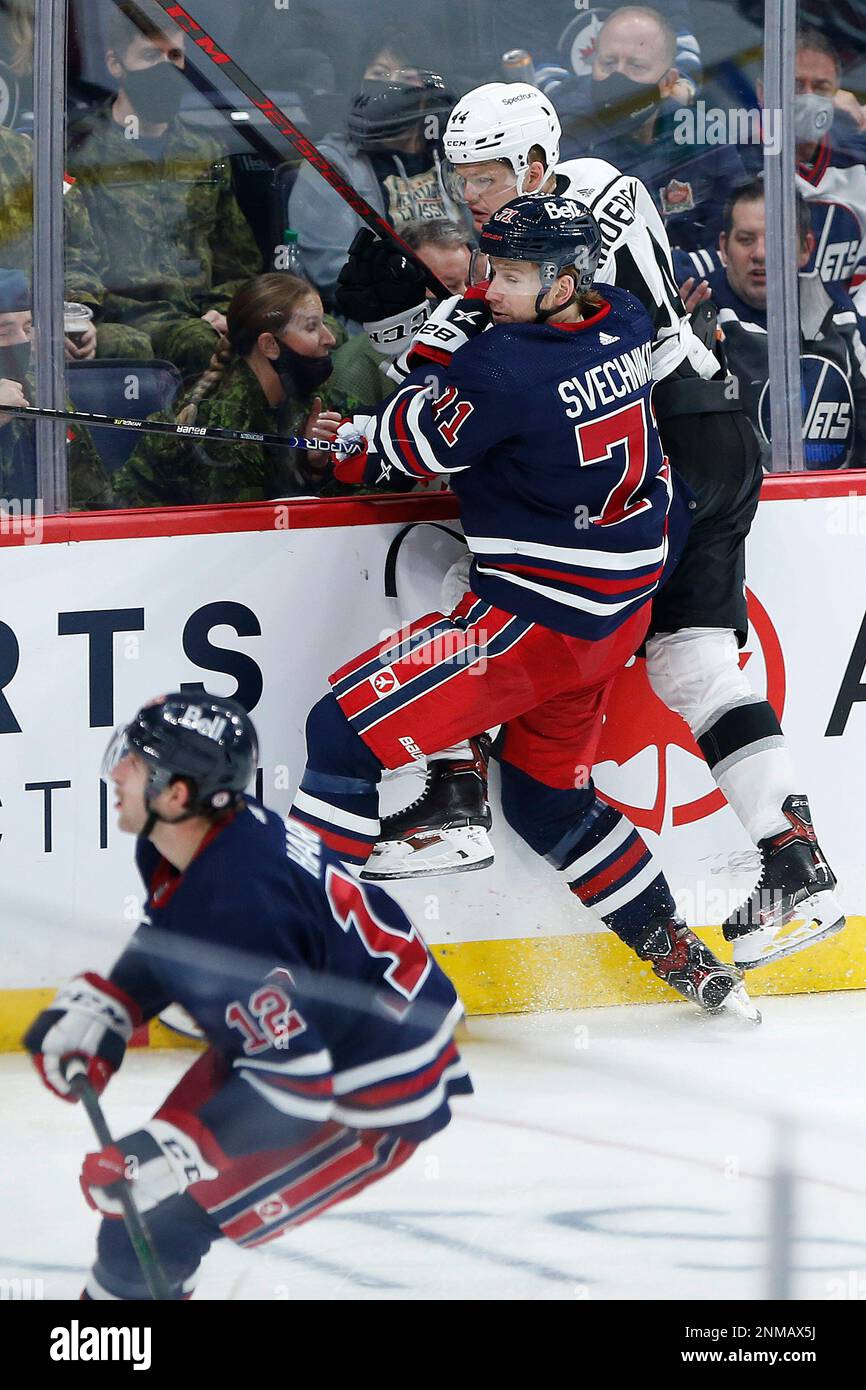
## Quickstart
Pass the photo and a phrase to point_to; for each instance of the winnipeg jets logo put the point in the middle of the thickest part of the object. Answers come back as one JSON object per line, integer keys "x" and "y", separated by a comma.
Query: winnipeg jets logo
{"x": 607, "y": 338}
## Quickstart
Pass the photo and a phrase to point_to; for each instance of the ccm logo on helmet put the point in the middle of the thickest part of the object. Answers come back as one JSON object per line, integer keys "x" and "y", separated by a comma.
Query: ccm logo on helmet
{"x": 192, "y": 718}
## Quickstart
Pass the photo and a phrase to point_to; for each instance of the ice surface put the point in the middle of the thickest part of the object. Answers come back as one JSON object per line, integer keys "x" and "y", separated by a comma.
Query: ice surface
{"x": 602, "y": 1157}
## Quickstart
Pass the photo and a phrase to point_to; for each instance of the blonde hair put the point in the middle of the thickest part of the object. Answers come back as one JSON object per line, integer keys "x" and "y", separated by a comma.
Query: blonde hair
{"x": 263, "y": 305}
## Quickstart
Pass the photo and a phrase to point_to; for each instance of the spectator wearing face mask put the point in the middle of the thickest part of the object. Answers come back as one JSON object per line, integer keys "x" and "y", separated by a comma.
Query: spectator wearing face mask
{"x": 172, "y": 240}
{"x": 360, "y": 379}
{"x": 389, "y": 154}
{"x": 832, "y": 352}
{"x": 624, "y": 112}
{"x": 268, "y": 374}
{"x": 88, "y": 485}
{"x": 831, "y": 167}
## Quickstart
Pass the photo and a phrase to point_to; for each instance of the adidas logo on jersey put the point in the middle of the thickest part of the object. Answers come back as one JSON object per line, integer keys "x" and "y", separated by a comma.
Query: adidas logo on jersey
{"x": 607, "y": 338}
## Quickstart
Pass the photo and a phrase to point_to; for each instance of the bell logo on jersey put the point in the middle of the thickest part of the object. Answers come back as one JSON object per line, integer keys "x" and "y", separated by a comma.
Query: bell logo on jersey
{"x": 384, "y": 683}
{"x": 194, "y": 718}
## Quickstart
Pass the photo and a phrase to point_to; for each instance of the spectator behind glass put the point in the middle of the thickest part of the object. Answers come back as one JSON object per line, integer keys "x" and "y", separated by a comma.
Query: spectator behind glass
{"x": 389, "y": 154}
{"x": 88, "y": 486}
{"x": 831, "y": 167}
{"x": 578, "y": 46}
{"x": 624, "y": 112}
{"x": 359, "y": 378}
{"x": 833, "y": 355}
{"x": 268, "y": 374}
{"x": 172, "y": 240}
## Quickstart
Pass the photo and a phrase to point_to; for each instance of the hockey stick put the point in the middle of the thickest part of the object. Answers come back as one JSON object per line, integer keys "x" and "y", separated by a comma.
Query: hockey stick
{"x": 139, "y": 1236}
{"x": 193, "y": 432}
{"x": 300, "y": 142}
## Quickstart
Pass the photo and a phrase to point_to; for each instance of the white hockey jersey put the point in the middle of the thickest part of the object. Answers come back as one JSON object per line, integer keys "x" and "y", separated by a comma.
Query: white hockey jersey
{"x": 637, "y": 257}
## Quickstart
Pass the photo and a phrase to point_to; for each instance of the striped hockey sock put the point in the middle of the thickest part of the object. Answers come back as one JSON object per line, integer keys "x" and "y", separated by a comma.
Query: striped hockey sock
{"x": 613, "y": 870}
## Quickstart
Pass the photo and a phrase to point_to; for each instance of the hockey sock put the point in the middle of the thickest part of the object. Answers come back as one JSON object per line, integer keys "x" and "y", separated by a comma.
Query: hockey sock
{"x": 339, "y": 792}
{"x": 697, "y": 673}
{"x": 597, "y": 851}
{"x": 746, "y": 753}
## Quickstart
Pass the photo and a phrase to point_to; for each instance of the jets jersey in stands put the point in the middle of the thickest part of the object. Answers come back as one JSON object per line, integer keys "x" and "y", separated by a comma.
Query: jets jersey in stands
{"x": 316, "y": 990}
{"x": 637, "y": 258}
{"x": 833, "y": 364}
{"x": 547, "y": 434}
{"x": 834, "y": 185}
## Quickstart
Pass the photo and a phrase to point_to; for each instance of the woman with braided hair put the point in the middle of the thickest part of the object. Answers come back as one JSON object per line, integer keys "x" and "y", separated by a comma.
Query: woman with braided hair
{"x": 266, "y": 375}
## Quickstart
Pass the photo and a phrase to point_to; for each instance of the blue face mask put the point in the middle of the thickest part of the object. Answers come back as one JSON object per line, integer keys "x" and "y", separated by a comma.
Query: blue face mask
{"x": 301, "y": 375}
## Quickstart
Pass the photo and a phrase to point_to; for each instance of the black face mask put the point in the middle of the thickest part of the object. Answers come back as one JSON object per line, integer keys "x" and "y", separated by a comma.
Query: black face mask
{"x": 155, "y": 93}
{"x": 15, "y": 361}
{"x": 301, "y": 374}
{"x": 618, "y": 101}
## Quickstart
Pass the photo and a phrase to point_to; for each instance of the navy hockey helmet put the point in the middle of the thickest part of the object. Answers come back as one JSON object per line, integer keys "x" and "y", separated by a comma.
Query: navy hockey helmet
{"x": 556, "y": 232}
{"x": 207, "y": 739}
{"x": 384, "y": 110}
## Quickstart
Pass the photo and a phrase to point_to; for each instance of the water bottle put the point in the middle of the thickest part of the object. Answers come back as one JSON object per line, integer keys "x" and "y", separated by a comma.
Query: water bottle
{"x": 291, "y": 258}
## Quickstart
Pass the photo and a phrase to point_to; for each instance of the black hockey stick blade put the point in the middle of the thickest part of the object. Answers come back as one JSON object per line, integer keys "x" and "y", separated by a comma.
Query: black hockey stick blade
{"x": 136, "y": 1229}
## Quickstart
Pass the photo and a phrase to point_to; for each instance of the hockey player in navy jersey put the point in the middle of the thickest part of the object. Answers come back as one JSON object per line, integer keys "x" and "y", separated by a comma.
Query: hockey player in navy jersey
{"x": 502, "y": 139}
{"x": 330, "y": 1027}
{"x": 545, "y": 429}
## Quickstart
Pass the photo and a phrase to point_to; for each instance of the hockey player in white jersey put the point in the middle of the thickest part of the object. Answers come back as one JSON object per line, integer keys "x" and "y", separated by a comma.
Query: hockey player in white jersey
{"x": 502, "y": 140}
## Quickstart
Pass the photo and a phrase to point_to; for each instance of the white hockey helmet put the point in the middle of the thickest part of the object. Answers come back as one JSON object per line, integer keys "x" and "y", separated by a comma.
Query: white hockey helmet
{"x": 503, "y": 120}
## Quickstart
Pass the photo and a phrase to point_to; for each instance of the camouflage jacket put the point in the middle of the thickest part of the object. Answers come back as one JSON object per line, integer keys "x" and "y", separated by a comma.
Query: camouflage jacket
{"x": 170, "y": 233}
{"x": 82, "y": 282}
{"x": 167, "y": 471}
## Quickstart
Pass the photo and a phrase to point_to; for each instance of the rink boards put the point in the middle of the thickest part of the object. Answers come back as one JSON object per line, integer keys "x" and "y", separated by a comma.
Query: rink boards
{"x": 100, "y": 612}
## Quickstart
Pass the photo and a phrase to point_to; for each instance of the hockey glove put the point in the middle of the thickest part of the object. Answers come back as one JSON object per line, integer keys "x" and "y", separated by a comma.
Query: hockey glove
{"x": 89, "y": 1018}
{"x": 351, "y": 444}
{"x": 384, "y": 290}
{"x": 452, "y": 323}
{"x": 159, "y": 1162}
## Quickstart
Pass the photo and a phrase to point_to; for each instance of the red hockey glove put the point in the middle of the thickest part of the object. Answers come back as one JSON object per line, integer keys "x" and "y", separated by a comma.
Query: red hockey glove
{"x": 89, "y": 1018}
{"x": 159, "y": 1161}
{"x": 351, "y": 444}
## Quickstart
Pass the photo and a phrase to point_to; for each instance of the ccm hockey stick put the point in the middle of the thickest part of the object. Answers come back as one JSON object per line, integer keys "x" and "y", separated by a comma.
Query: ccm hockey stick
{"x": 138, "y": 1233}
{"x": 191, "y": 432}
{"x": 300, "y": 142}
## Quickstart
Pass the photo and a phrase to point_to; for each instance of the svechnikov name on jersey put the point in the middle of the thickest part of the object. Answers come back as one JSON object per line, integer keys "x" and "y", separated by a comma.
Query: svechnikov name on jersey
{"x": 606, "y": 383}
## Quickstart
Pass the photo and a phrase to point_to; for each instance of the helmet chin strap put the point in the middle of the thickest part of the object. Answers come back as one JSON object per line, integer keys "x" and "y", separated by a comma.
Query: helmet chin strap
{"x": 542, "y": 315}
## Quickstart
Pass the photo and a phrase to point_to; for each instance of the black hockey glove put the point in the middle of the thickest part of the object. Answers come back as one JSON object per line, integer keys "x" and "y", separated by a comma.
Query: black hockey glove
{"x": 384, "y": 290}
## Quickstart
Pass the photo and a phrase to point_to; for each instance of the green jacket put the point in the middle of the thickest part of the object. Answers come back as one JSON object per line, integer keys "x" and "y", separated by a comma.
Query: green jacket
{"x": 169, "y": 471}
{"x": 358, "y": 383}
{"x": 172, "y": 238}
{"x": 82, "y": 282}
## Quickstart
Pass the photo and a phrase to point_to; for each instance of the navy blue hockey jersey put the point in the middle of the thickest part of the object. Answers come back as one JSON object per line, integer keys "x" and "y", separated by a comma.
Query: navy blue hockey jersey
{"x": 548, "y": 437}
{"x": 316, "y": 989}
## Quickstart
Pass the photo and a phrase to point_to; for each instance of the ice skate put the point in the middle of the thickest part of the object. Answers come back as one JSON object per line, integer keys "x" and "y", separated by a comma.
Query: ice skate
{"x": 445, "y": 830}
{"x": 685, "y": 963}
{"x": 794, "y": 904}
